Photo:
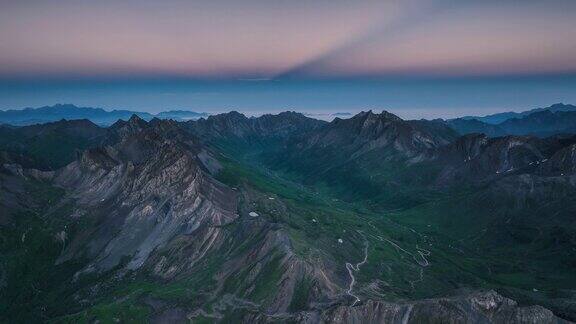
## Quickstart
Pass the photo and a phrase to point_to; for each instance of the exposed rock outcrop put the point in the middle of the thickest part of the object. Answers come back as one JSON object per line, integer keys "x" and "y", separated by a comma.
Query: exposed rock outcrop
{"x": 145, "y": 190}
{"x": 479, "y": 307}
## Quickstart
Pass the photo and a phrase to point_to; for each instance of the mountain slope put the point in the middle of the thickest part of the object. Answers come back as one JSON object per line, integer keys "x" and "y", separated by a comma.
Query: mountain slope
{"x": 145, "y": 205}
{"x": 544, "y": 123}
{"x": 476, "y": 157}
{"x": 471, "y": 126}
{"x": 384, "y": 135}
{"x": 368, "y": 131}
{"x": 491, "y": 192}
{"x": 156, "y": 182}
{"x": 364, "y": 156}
{"x": 235, "y": 127}
{"x": 51, "y": 145}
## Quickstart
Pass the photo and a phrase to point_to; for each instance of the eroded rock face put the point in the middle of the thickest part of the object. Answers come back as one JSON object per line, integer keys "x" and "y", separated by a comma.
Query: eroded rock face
{"x": 145, "y": 190}
{"x": 368, "y": 131}
{"x": 488, "y": 307}
{"x": 475, "y": 157}
{"x": 237, "y": 127}
{"x": 156, "y": 209}
{"x": 562, "y": 163}
{"x": 479, "y": 307}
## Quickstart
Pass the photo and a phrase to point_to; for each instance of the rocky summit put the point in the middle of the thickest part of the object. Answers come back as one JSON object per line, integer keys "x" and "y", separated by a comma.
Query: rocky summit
{"x": 284, "y": 218}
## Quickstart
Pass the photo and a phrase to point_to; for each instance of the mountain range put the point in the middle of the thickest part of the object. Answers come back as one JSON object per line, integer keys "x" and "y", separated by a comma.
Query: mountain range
{"x": 502, "y": 117}
{"x": 30, "y": 116}
{"x": 285, "y": 218}
{"x": 542, "y": 122}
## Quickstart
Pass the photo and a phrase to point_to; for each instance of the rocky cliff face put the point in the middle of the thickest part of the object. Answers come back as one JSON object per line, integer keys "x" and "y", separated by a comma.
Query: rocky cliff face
{"x": 368, "y": 132}
{"x": 479, "y": 307}
{"x": 145, "y": 191}
{"x": 488, "y": 307}
{"x": 477, "y": 158}
{"x": 234, "y": 126}
{"x": 157, "y": 210}
{"x": 360, "y": 156}
{"x": 562, "y": 162}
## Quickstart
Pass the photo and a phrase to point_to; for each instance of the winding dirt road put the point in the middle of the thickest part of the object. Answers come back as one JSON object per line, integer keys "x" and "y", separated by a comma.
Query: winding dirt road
{"x": 351, "y": 268}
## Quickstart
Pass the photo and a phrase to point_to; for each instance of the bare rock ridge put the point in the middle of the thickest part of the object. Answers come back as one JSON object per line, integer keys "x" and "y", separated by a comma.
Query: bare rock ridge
{"x": 476, "y": 157}
{"x": 479, "y": 307}
{"x": 235, "y": 126}
{"x": 160, "y": 213}
{"x": 146, "y": 190}
{"x": 348, "y": 151}
{"x": 368, "y": 131}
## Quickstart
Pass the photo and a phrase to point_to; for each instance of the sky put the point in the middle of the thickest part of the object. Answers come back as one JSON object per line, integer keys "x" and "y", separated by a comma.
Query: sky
{"x": 414, "y": 57}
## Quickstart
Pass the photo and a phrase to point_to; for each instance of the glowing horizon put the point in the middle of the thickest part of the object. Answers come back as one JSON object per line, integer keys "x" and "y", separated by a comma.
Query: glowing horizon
{"x": 275, "y": 39}
{"x": 432, "y": 57}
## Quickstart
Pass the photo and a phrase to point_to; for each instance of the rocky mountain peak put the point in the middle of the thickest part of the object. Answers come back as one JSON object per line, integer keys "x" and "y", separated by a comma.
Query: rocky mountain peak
{"x": 158, "y": 183}
{"x": 388, "y": 116}
{"x": 136, "y": 121}
{"x": 163, "y": 123}
{"x": 372, "y": 116}
{"x": 368, "y": 123}
{"x": 122, "y": 129}
{"x": 232, "y": 116}
{"x": 291, "y": 114}
{"x": 562, "y": 106}
{"x": 234, "y": 125}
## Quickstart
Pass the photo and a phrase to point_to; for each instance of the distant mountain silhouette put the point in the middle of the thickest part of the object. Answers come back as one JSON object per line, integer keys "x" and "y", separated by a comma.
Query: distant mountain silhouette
{"x": 502, "y": 117}
{"x": 180, "y": 115}
{"x": 30, "y": 116}
{"x": 541, "y": 122}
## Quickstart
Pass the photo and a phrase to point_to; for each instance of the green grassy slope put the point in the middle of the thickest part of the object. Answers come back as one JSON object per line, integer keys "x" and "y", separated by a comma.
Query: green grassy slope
{"x": 471, "y": 237}
{"x": 35, "y": 288}
{"x": 419, "y": 248}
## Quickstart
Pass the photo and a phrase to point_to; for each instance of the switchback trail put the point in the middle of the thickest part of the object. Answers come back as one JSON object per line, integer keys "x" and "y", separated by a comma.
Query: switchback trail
{"x": 351, "y": 268}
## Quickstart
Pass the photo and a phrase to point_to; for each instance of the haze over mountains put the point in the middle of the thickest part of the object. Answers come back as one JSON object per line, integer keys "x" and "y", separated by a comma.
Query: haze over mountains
{"x": 30, "y": 116}
{"x": 502, "y": 117}
{"x": 542, "y": 122}
{"x": 555, "y": 119}
{"x": 286, "y": 218}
